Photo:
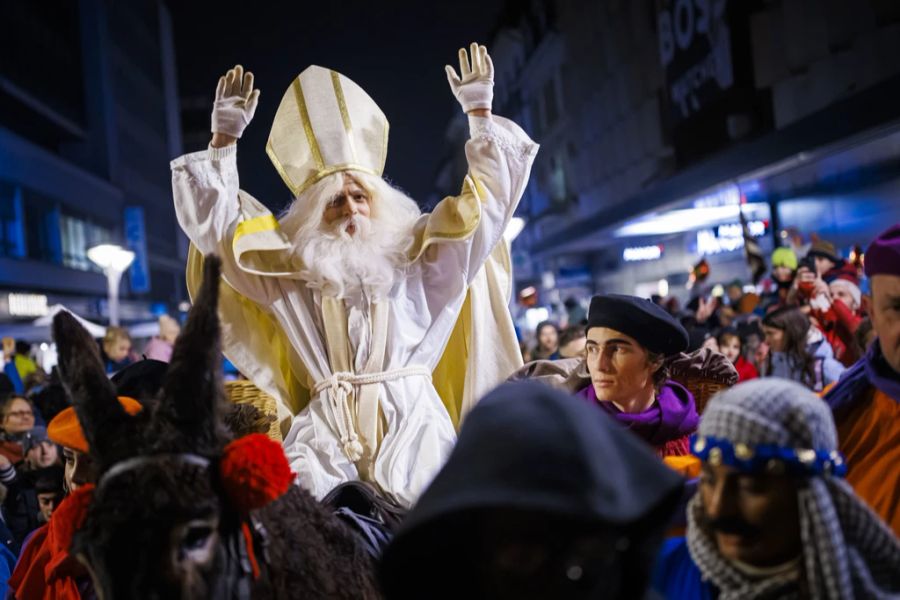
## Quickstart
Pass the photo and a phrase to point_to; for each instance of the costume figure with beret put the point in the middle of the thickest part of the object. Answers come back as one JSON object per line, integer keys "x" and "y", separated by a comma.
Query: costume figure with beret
{"x": 632, "y": 346}
{"x": 628, "y": 340}
{"x": 362, "y": 316}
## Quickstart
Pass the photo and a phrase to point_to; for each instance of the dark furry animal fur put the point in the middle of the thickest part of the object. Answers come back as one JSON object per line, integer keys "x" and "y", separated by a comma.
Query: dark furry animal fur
{"x": 164, "y": 528}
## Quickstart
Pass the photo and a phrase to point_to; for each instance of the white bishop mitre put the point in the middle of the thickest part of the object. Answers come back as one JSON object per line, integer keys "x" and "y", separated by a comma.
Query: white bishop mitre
{"x": 326, "y": 124}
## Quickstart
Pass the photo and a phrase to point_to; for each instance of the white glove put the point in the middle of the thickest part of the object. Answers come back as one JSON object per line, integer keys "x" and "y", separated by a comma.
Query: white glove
{"x": 235, "y": 102}
{"x": 476, "y": 87}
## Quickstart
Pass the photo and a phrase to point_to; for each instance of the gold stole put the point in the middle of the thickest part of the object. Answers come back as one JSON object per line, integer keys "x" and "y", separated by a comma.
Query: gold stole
{"x": 364, "y": 399}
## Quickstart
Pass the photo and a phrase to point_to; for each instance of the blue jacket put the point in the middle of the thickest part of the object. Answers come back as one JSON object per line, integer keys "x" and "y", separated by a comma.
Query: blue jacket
{"x": 676, "y": 577}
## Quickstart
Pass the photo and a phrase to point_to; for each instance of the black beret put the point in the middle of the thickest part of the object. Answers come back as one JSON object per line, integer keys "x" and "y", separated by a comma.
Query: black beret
{"x": 645, "y": 321}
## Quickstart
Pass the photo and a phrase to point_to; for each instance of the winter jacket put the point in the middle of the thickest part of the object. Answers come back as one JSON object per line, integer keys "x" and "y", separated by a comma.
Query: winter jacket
{"x": 745, "y": 369}
{"x": 826, "y": 369}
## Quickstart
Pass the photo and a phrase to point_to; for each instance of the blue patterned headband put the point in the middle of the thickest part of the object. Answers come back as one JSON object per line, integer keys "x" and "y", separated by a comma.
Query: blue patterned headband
{"x": 768, "y": 457}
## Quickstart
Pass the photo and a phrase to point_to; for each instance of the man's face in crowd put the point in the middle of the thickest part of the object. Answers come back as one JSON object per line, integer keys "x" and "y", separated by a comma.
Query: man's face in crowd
{"x": 42, "y": 455}
{"x": 730, "y": 346}
{"x": 753, "y": 518}
{"x": 118, "y": 350}
{"x": 620, "y": 367}
{"x": 886, "y": 316}
{"x": 353, "y": 200}
{"x": 79, "y": 469}
{"x": 840, "y": 291}
{"x": 823, "y": 265}
{"x": 47, "y": 502}
{"x": 19, "y": 417}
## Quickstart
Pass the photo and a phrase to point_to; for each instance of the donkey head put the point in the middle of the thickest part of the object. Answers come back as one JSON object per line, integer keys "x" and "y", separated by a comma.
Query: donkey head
{"x": 157, "y": 524}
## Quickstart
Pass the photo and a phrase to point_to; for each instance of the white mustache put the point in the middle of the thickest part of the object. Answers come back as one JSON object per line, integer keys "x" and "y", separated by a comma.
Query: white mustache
{"x": 361, "y": 224}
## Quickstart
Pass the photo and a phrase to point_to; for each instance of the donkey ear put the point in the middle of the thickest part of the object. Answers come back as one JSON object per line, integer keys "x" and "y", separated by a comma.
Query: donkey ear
{"x": 102, "y": 418}
{"x": 193, "y": 391}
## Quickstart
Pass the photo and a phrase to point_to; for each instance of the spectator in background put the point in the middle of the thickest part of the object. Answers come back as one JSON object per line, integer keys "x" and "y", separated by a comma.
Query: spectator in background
{"x": 837, "y": 308}
{"x": 15, "y": 355}
{"x": 731, "y": 346}
{"x": 21, "y": 507}
{"x": 160, "y": 347}
{"x": 734, "y": 291}
{"x": 116, "y": 349}
{"x": 572, "y": 341}
{"x": 50, "y": 489}
{"x": 17, "y": 421}
{"x": 798, "y": 351}
{"x": 784, "y": 272}
{"x": 825, "y": 257}
{"x": 547, "y": 341}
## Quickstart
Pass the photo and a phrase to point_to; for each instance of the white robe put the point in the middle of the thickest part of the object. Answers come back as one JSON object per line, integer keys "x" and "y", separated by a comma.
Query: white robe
{"x": 423, "y": 310}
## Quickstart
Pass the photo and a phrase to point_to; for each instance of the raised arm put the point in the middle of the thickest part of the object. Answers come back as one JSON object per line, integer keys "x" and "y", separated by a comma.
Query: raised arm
{"x": 205, "y": 184}
{"x": 499, "y": 155}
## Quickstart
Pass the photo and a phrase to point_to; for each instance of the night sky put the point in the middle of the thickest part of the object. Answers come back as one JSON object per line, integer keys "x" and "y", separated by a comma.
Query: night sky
{"x": 395, "y": 50}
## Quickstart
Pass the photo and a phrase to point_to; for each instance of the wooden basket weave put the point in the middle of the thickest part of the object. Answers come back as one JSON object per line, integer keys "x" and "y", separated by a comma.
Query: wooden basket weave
{"x": 244, "y": 392}
{"x": 702, "y": 389}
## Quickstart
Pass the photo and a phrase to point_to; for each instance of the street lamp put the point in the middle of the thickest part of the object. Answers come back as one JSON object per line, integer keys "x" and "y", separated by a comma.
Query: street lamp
{"x": 113, "y": 260}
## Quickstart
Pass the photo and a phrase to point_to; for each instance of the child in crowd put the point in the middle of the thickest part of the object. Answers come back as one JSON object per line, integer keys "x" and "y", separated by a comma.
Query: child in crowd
{"x": 731, "y": 346}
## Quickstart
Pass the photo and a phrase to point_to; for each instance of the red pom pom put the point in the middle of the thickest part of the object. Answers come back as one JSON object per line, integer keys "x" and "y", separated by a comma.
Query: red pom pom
{"x": 254, "y": 472}
{"x": 68, "y": 517}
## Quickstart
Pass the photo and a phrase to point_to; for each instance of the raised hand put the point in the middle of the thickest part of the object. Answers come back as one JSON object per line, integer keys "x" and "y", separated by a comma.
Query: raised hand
{"x": 235, "y": 105}
{"x": 474, "y": 87}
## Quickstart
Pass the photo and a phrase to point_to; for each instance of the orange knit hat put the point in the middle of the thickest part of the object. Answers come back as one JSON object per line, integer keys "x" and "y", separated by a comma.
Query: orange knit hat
{"x": 66, "y": 431}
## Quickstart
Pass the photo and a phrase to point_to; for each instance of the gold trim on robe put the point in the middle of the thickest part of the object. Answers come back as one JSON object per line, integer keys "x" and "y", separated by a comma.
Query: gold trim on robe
{"x": 255, "y": 343}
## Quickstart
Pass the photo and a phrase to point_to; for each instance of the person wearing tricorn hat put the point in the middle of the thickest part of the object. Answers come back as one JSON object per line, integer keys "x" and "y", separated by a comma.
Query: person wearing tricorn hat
{"x": 374, "y": 326}
{"x": 628, "y": 340}
{"x": 866, "y": 400}
{"x": 773, "y": 517}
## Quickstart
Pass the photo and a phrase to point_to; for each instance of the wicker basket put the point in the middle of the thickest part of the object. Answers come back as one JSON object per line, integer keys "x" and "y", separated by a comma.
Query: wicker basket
{"x": 244, "y": 392}
{"x": 702, "y": 389}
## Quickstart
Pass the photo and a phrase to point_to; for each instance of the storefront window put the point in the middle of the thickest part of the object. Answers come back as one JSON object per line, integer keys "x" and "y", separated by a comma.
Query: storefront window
{"x": 77, "y": 236}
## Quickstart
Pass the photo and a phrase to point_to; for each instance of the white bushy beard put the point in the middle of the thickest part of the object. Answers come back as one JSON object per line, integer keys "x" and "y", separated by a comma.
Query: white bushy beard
{"x": 342, "y": 265}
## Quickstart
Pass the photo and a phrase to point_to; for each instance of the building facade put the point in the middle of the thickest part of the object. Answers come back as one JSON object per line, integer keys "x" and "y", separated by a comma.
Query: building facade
{"x": 660, "y": 121}
{"x": 88, "y": 121}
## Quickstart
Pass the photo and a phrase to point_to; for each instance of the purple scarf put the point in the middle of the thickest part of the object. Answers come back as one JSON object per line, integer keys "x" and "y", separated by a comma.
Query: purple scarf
{"x": 672, "y": 416}
{"x": 870, "y": 370}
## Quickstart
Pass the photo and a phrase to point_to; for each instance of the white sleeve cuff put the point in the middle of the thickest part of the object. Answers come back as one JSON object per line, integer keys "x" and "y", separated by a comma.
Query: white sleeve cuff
{"x": 503, "y": 132}
{"x": 205, "y": 155}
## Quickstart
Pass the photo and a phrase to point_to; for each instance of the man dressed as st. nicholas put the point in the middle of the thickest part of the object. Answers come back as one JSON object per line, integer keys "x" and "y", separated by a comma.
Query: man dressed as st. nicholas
{"x": 375, "y": 327}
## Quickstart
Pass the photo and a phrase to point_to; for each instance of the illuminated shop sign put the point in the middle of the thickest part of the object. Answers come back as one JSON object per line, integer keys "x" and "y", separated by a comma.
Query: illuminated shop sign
{"x": 27, "y": 305}
{"x": 641, "y": 253}
{"x": 727, "y": 238}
